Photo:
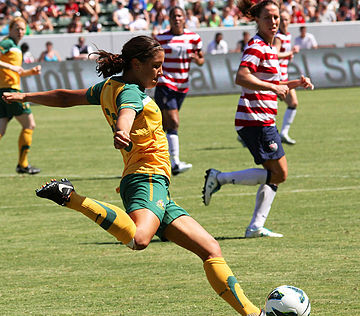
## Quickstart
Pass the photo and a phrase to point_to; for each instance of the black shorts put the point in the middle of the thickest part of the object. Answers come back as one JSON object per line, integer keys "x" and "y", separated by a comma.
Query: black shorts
{"x": 14, "y": 108}
{"x": 264, "y": 142}
{"x": 168, "y": 99}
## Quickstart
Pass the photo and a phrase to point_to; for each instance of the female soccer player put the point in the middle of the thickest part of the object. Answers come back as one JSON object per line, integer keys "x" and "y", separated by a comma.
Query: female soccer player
{"x": 259, "y": 75}
{"x": 10, "y": 74}
{"x": 136, "y": 122}
{"x": 181, "y": 46}
{"x": 282, "y": 42}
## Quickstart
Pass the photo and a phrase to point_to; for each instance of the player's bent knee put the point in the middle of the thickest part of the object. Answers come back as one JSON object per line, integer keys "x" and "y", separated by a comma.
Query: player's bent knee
{"x": 213, "y": 249}
{"x": 140, "y": 243}
{"x": 278, "y": 177}
{"x": 282, "y": 177}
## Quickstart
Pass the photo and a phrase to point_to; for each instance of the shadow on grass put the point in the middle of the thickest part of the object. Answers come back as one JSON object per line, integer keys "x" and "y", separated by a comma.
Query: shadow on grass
{"x": 218, "y": 148}
{"x": 74, "y": 179}
{"x": 152, "y": 241}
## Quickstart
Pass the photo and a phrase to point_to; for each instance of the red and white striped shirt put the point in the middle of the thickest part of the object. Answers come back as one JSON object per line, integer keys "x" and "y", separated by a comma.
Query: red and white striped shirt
{"x": 285, "y": 40}
{"x": 177, "y": 58}
{"x": 258, "y": 107}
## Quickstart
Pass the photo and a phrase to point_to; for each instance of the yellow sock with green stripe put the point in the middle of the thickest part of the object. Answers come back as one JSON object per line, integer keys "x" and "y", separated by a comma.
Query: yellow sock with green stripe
{"x": 25, "y": 140}
{"x": 225, "y": 284}
{"x": 110, "y": 217}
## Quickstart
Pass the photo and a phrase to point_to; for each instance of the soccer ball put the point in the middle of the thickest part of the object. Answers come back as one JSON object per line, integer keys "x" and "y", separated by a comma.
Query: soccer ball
{"x": 287, "y": 300}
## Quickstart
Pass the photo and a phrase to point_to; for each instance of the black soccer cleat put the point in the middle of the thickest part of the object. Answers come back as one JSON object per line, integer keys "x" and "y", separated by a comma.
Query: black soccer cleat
{"x": 57, "y": 191}
{"x": 29, "y": 169}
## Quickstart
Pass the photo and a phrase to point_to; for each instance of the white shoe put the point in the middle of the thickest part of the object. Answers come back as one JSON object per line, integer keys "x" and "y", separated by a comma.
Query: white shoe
{"x": 286, "y": 139}
{"x": 211, "y": 185}
{"x": 180, "y": 168}
{"x": 261, "y": 232}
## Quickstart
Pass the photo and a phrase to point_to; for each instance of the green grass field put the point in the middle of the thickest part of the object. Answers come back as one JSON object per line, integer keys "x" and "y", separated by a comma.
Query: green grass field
{"x": 55, "y": 261}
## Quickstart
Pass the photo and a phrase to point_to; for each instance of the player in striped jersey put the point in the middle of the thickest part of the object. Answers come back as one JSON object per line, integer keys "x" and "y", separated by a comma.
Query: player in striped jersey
{"x": 136, "y": 123}
{"x": 282, "y": 42}
{"x": 259, "y": 76}
{"x": 181, "y": 46}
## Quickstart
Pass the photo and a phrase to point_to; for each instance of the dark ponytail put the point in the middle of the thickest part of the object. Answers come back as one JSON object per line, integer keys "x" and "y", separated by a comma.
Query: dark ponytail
{"x": 139, "y": 47}
{"x": 251, "y": 10}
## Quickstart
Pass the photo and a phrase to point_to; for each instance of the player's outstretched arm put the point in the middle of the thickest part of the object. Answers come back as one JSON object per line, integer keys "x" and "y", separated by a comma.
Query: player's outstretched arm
{"x": 304, "y": 82}
{"x": 31, "y": 72}
{"x": 62, "y": 98}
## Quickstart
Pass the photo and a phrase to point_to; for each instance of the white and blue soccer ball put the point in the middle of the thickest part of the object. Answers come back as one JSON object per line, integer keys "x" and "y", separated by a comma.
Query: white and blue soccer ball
{"x": 287, "y": 300}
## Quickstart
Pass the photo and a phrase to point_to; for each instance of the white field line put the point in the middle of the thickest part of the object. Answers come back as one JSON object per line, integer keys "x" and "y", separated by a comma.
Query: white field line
{"x": 356, "y": 188}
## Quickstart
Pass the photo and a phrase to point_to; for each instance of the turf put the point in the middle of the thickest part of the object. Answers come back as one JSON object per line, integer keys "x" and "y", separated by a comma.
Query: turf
{"x": 55, "y": 261}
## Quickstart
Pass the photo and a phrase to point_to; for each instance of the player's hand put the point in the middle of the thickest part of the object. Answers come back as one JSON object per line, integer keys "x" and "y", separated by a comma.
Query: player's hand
{"x": 121, "y": 139}
{"x": 36, "y": 70}
{"x": 9, "y": 97}
{"x": 281, "y": 90}
{"x": 306, "y": 83}
{"x": 197, "y": 56}
{"x": 295, "y": 49}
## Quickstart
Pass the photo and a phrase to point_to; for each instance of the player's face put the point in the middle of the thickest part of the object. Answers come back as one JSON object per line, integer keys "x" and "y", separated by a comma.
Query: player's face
{"x": 17, "y": 31}
{"x": 268, "y": 22}
{"x": 151, "y": 70}
{"x": 284, "y": 21}
{"x": 177, "y": 22}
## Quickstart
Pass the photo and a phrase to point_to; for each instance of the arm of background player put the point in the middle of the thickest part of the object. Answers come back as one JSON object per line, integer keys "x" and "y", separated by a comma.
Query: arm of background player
{"x": 305, "y": 82}
{"x": 57, "y": 98}
{"x": 31, "y": 72}
{"x": 277, "y": 44}
{"x": 17, "y": 69}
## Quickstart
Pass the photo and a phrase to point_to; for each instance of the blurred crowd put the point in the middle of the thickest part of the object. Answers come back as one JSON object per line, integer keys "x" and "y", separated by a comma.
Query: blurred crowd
{"x": 78, "y": 16}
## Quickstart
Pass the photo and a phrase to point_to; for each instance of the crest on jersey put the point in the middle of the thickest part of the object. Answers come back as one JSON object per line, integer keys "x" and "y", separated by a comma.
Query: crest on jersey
{"x": 273, "y": 146}
{"x": 160, "y": 204}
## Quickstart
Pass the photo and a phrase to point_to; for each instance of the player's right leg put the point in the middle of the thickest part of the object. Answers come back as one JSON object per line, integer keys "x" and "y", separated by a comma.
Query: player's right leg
{"x": 27, "y": 122}
{"x": 189, "y": 234}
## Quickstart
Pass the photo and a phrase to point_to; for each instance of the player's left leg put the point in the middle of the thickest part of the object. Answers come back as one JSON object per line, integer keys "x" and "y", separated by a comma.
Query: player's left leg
{"x": 189, "y": 234}
{"x": 289, "y": 116}
{"x": 3, "y": 124}
{"x": 171, "y": 126}
{"x": 264, "y": 198}
{"x": 27, "y": 122}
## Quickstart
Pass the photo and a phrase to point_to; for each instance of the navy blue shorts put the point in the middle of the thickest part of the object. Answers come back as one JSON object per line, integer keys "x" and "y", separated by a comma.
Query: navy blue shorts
{"x": 264, "y": 142}
{"x": 168, "y": 99}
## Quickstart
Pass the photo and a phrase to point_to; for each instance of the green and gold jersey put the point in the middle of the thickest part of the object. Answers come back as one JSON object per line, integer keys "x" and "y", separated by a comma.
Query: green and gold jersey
{"x": 148, "y": 151}
{"x": 11, "y": 54}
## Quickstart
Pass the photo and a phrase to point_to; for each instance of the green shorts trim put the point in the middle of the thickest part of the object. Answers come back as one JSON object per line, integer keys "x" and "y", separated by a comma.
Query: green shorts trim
{"x": 152, "y": 192}
{"x": 14, "y": 108}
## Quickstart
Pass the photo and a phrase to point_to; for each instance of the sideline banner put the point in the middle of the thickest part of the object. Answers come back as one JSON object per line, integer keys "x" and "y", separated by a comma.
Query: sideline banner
{"x": 327, "y": 68}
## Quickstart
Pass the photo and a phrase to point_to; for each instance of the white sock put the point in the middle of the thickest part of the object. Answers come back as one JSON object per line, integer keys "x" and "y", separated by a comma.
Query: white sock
{"x": 289, "y": 117}
{"x": 264, "y": 198}
{"x": 245, "y": 177}
{"x": 173, "y": 141}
